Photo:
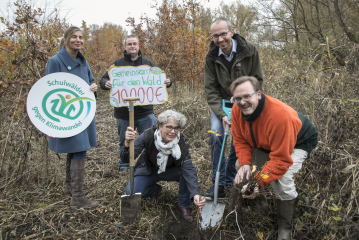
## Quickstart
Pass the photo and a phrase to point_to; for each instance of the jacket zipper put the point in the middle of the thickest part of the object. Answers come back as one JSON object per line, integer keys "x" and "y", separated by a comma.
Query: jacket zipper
{"x": 240, "y": 58}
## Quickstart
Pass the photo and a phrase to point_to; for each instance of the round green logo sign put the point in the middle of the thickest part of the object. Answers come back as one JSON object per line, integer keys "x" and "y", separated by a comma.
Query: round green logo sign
{"x": 61, "y": 105}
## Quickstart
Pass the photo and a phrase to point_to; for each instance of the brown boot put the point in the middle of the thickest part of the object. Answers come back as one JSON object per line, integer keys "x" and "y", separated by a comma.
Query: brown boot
{"x": 285, "y": 210}
{"x": 68, "y": 175}
{"x": 77, "y": 182}
{"x": 186, "y": 213}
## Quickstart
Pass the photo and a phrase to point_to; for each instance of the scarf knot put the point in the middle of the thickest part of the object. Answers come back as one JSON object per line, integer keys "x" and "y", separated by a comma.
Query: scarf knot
{"x": 165, "y": 149}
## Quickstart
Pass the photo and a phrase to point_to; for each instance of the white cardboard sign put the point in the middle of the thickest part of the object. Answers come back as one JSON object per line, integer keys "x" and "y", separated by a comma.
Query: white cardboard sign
{"x": 61, "y": 105}
{"x": 144, "y": 81}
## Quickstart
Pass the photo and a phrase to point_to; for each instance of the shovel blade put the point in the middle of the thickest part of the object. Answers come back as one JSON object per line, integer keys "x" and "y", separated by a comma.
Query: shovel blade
{"x": 130, "y": 208}
{"x": 211, "y": 214}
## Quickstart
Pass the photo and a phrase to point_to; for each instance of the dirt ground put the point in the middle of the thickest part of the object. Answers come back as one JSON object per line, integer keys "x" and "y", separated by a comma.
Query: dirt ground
{"x": 38, "y": 208}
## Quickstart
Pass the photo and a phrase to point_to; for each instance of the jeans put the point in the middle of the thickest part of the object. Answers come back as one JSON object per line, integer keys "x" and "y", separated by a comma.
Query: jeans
{"x": 146, "y": 184}
{"x": 228, "y": 171}
{"x": 141, "y": 124}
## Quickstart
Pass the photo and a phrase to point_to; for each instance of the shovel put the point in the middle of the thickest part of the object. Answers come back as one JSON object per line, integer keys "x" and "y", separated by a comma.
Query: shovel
{"x": 131, "y": 204}
{"x": 212, "y": 211}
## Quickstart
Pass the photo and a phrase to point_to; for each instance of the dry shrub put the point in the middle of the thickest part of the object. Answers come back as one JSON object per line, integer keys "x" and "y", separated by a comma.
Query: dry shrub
{"x": 321, "y": 183}
{"x": 32, "y": 202}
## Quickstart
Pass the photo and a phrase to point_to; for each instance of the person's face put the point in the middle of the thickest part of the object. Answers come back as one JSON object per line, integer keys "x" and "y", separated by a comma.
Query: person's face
{"x": 76, "y": 41}
{"x": 169, "y": 130}
{"x": 244, "y": 90}
{"x": 132, "y": 46}
{"x": 222, "y": 37}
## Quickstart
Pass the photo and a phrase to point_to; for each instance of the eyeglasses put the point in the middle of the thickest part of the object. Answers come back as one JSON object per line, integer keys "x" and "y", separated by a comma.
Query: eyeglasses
{"x": 246, "y": 98}
{"x": 215, "y": 36}
{"x": 170, "y": 128}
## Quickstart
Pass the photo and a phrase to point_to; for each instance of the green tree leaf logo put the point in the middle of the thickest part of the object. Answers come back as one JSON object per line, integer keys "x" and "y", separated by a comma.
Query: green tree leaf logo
{"x": 60, "y": 104}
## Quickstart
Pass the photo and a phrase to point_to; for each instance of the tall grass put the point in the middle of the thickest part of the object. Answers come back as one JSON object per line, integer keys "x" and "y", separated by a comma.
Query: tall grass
{"x": 327, "y": 184}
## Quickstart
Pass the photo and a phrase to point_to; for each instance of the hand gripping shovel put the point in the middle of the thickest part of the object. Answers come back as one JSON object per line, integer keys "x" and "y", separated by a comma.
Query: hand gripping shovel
{"x": 212, "y": 211}
{"x": 131, "y": 204}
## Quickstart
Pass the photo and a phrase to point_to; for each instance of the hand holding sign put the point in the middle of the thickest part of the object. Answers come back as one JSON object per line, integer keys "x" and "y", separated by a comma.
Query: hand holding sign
{"x": 147, "y": 83}
{"x": 167, "y": 82}
{"x": 93, "y": 87}
{"x": 108, "y": 85}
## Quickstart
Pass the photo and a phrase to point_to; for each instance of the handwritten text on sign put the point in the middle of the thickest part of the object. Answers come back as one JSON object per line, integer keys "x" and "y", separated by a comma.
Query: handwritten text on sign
{"x": 145, "y": 82}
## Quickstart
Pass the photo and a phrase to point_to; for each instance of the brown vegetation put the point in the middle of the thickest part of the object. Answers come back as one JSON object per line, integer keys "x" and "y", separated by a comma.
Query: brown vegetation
{"x": 304, "y": 74}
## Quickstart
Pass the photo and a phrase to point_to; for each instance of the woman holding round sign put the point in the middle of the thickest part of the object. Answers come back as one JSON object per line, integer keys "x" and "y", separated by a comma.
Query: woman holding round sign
{"x": 69, "y": 59}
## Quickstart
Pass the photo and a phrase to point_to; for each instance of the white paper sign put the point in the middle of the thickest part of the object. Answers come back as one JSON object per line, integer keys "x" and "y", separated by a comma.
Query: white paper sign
{"x": 61, "y": 105}
{"x": 144, "y": 81}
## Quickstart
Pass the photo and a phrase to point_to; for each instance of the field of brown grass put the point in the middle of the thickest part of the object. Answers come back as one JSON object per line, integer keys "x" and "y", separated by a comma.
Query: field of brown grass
{"x": 34, "y": 206}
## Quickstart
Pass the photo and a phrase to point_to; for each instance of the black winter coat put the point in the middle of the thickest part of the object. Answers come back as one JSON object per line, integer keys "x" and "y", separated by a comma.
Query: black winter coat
{"x": 146, "y": 143}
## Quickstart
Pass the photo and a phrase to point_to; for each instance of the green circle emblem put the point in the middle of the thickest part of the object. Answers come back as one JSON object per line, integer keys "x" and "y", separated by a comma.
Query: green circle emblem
{"x": 60, "y": 104}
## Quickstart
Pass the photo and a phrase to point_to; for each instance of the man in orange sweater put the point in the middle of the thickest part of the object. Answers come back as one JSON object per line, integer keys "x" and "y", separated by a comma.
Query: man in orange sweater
{"x": 283, "y": 137}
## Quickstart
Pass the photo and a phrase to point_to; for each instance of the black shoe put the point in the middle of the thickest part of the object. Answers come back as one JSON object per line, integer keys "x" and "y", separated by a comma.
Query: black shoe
{"x": 210, "y": 193}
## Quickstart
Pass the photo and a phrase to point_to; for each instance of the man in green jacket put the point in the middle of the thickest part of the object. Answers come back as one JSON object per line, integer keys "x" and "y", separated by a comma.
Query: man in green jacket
{"x": 230, "y": 57}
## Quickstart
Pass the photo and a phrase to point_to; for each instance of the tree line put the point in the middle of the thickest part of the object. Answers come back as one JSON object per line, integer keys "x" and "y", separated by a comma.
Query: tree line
{"x": 178, "y": 38}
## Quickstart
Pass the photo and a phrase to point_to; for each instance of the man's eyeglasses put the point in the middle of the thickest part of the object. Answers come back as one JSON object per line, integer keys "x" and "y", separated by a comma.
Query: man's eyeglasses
{"x": 170, "y": 128}
{"x": 215, "y": 36}
{"x": 246, "y": 98}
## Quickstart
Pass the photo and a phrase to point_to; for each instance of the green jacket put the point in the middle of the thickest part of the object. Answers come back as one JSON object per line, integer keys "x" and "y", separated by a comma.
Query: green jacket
{"x": 217, "y": 79}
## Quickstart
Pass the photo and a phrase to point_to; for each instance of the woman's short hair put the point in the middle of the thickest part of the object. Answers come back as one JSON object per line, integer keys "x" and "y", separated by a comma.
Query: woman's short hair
{"x": 179, "y": 118}
{"x": 254, "y": 81}
{"x": 68, "y": 34}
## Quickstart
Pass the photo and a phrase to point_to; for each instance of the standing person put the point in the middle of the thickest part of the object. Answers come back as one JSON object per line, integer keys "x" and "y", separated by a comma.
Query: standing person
{"x": 144, "y": 117}
{"x": 273, "y": 136}
{"x": 69, "y": 59}
{"x": 230, "y": 56}
{"x": 165, "y": 157}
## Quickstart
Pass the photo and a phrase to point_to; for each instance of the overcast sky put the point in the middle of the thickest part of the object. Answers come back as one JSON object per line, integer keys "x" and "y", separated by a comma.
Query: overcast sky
{"x": 101, "y": 11}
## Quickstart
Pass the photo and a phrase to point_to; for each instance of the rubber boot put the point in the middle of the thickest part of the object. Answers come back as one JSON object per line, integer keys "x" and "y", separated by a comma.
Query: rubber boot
{"x": 77, "y": 182}
{"x": 68, "y": 175}
{"x": 285, "y": 210}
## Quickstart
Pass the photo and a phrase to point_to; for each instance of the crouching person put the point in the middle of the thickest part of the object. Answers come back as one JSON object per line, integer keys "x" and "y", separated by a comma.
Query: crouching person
{"x": 270, "y": 134}
{"x": 165, "y": 157}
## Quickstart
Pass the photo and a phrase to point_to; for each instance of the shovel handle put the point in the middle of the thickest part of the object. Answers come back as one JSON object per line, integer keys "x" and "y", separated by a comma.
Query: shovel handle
{"x": 216, "y": 182}
{"x": 131, "y": 99}
{"x": 132, "y": 125}
{"x": 132, "y": 143}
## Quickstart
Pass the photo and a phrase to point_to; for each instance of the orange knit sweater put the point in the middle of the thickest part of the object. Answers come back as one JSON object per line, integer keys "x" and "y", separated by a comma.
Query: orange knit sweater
{"x": 276, "y": 129}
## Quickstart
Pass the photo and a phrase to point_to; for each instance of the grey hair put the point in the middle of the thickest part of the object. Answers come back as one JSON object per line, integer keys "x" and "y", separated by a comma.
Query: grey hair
{"x": 67, "y": 35}
{"x": 179, "y": 118}
{"x": 217, "y": 20}
{"x": 131, "y": 36}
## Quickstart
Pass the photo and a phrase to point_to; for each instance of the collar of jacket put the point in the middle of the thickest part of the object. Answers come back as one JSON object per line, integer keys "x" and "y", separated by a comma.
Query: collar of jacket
{"x": 150, "y": 144}
{"x": 241, "y": 48}
{"x": 251, "y": 118}
{"x": 127, "y": 56}
{"x": 68, "y": 61}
